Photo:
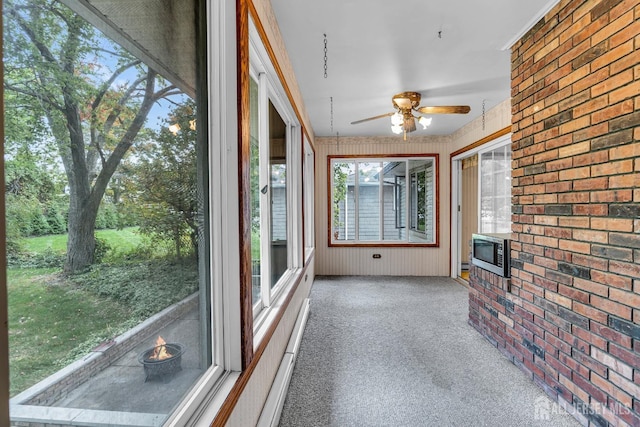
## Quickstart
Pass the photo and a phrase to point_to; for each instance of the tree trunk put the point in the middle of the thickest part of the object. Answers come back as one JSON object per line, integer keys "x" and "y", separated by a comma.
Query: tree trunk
{"x": 176, "y": 234}
{"x": 82, "y": 243}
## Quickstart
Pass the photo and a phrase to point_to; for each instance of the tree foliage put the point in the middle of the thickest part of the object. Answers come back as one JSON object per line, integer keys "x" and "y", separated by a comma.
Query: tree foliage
{"x": 167, "y": 181}
{"x": 91, "y": 97}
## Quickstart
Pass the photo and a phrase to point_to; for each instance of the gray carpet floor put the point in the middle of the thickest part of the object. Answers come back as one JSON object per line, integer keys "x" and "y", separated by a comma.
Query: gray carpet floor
{"x": 390, "y": 351}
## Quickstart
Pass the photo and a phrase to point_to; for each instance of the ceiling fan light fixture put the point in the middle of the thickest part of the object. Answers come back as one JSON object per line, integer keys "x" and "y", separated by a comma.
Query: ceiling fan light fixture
{"x": 424, "y": 121}
{"x": 397, "y": 129}
{"x": 402, "y": 119}
{"x": 397, "y": 119}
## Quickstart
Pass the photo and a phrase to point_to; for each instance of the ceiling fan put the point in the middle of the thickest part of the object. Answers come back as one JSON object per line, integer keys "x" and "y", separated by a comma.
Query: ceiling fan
{"x": 403, "y": 120}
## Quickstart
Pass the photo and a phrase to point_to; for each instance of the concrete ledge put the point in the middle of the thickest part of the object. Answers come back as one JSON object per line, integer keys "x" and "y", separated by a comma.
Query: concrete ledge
{"x": 25, "y": 415}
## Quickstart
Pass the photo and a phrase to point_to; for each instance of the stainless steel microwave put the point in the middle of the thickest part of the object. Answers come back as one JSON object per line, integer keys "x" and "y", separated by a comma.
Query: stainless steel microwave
{"x": 491, "y": 252}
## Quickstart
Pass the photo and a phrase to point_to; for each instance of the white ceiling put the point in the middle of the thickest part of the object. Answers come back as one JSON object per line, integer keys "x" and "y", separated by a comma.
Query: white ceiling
{"x": 454, "y": 52}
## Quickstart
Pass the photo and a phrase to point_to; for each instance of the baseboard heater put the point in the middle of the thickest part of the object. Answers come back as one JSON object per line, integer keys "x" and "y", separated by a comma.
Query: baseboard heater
{"x": 270, "y": 416}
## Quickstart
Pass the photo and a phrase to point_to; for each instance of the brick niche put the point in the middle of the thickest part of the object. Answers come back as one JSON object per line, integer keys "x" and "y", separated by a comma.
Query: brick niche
{"x": 570, "y": 316}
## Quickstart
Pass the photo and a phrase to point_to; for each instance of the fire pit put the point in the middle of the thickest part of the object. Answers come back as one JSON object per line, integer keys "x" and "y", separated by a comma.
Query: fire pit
{"x": 162, "y": 360}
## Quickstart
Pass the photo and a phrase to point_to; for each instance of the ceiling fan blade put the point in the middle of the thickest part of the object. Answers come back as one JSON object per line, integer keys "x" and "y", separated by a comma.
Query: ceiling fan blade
{"x": 372, "y": 118}
{"x": 450, "y": 109}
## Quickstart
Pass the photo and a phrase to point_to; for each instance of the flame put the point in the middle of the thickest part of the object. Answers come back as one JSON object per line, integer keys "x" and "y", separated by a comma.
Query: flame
{"x": 160, "y": 350}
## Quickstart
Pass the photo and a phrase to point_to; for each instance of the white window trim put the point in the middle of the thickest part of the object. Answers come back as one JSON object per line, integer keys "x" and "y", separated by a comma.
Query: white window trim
{"x": 205, "y": 399}
{"x": 455, "y": 197}
{"x": 498, "y": 143}
{"x": 308, "y": 169}
{"x": 270, "y": 89}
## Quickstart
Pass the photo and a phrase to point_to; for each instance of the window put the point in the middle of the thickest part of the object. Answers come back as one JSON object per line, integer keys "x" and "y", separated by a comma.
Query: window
{"x": 495, "y": 190}
{"x": 371, "y": 204}
{"x": 275, "y": 192}
{"x": 156, "y": 279}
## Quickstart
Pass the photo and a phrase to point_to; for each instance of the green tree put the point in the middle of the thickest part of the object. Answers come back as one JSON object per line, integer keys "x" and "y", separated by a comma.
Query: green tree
{"x": 94, "y": 99}
{"x": 167, "y": 180}
{"x": 340, "y": 175}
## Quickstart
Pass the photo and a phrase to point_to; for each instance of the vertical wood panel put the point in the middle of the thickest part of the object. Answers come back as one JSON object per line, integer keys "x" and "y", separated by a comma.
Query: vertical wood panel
{"x": 244, "y": 179}
{"x": 468, "y": 205}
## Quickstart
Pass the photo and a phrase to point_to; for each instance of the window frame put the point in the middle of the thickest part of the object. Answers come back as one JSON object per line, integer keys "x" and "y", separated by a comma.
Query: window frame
{"x": 308, "y": 196}
{"x": 270, "y": 89}
{"x": 222, "y": 120}
{"x": 500, "y": 143}
{"x": 216, "y": 55}
{"x": 332, "y": 242}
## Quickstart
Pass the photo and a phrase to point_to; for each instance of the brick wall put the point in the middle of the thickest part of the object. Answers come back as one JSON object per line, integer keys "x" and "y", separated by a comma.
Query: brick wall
{"x": 571, "y": 317}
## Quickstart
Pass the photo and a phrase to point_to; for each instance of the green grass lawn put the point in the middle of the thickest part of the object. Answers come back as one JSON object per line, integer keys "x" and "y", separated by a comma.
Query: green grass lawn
{"x": 51, "y": 321}
{"x": 124, "y": 240}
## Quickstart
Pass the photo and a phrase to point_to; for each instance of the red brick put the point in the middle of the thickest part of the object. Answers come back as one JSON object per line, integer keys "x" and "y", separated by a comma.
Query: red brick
{"x": 610, "y": 196}
{"x": 624, "y": 268}
{"x": 613, "y": 82}
{"x": 573, "y": 293}
{"x": 558, "y": 343}
{"x": 625, "y": 62}
{"x": 624, "y": 383}
{"x": 628, "y": 91}
{"x": 574, "y": 197}
{"x": 620, "y": 8}
{"x": 559, "y": 164}
{"x": 611, "y": 389}
{"x": 575, "y": 221}
{"x": 591, "y": 236}
{"x": 611, "y": 279}
{"x": 558, "y": 366}
{"x": 626, "y": 181}
{"x": 613, "y": 27}
{"x": 591, "y": 132}
{"x": 612, "y": 55}
{"x": 592, "y": 209}
{"x": 575, "y": 173}
{"x": 546, "y": 241}
{"x": 591, "y": 184}
{"x": 553, "y": 176}
{"x": 628, "y": 356}
{"x": 590, "y": 261}
{"x": 612, "y": 224}
{"x": 560, "y": 233}
{"x": 612, "y": 168}
{"x": 576, "y": 124}
{"x": 613, "y": 363}
{"x": 534, "y": 269}
{"x": 573, "y": 246}
{"x": 589, "y": 337}
{"x": 611, "y": 307}
{"x": 596, "y": 167}
{"x": 590, "y": 80}
{"x": 591, "y": 158}
{"x": 545, "y": 156}
{"x": 594, "y": 392}
{"x": 594, "y": 104}
{"x": 628, "y": 298}
{"x": 613, "y": 111}
{"x": 591, "y": 287}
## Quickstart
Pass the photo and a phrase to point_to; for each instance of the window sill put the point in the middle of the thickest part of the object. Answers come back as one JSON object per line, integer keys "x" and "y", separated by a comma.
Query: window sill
{"x": 268, "y": 315}
{"x": 383, "y": 244}
{"x": 202, "y": 414}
